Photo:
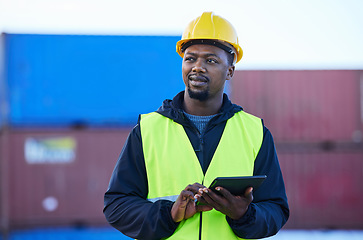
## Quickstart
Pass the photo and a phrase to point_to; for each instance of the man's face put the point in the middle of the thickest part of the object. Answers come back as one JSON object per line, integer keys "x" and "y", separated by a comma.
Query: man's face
{"x": 205, "y": 69}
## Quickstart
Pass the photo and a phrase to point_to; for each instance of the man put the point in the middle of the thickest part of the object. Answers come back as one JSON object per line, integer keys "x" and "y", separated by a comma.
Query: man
{"x": 159, "y": 185}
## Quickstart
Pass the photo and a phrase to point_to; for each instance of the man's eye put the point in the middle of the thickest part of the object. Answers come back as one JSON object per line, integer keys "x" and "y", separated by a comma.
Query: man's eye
{"x": 211, "y": 60}
{"x": 189, "y": 59}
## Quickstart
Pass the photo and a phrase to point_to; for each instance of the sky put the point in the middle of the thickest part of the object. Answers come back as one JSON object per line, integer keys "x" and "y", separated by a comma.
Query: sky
{"x": 279, "y": 34}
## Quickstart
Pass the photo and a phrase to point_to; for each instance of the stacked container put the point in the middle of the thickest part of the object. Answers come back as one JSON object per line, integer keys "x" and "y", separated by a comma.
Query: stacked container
{"x": 316, "y": 120}
{"x": 72, "y": 101}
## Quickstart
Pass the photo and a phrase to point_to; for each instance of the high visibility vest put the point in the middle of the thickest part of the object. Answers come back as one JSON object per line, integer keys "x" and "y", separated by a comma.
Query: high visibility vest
{"x": 171, "y": 165}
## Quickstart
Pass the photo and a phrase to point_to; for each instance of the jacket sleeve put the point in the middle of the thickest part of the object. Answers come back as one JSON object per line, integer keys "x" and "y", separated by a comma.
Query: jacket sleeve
{"x": 125, "y": 204}
{"x": 269, "y": 210}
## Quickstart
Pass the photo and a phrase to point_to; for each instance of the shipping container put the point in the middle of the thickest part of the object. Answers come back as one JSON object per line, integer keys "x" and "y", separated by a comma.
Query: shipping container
{"x": 3, "y": 86}
{"x": 317, "y": 105}
{"x": 57, "y": 177}
{"x": 62, "y": 80}
{"x": 324, "y": 189}
{"x": 4, "y": 224}
{"x": 68, "y": 234}
{"x": 316, "y": 120}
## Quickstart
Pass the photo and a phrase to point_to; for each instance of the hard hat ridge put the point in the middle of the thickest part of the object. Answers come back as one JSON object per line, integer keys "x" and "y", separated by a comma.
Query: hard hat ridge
{"x": 203, "y": 26}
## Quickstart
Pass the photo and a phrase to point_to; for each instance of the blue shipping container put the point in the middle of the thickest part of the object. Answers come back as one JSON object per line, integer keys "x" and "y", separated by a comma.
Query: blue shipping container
{"x": 96, "y": 80}
{"x": 2, "y": 83}
{"x": 68, "y": 234}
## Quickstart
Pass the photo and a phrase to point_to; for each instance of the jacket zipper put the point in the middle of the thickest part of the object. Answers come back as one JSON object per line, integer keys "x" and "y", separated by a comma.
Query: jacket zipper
{"x": 201, "y": 148}
{"x": 201, "y": 157}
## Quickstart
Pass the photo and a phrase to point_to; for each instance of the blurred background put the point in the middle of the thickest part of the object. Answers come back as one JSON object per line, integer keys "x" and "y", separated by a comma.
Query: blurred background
{"x": 74, "y": 75}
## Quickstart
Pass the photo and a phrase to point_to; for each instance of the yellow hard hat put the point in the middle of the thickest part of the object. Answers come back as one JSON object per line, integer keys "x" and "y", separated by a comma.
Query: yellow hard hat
{"x": 210, "y": 27}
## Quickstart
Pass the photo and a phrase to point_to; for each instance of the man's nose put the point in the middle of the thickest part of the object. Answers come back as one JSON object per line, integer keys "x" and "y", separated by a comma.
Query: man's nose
{"x": 198, "y": 66}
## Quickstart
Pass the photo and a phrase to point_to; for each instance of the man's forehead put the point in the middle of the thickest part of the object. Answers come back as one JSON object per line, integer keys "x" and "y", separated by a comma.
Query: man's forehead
{"x": 205, "y": 50}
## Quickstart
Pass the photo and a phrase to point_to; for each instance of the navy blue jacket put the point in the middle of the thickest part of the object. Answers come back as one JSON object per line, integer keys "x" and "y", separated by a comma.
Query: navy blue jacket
{"x": 125, "y": 204}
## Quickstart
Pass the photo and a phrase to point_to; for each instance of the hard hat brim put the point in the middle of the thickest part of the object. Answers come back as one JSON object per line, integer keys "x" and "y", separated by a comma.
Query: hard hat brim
{"x": 237, "y": 49}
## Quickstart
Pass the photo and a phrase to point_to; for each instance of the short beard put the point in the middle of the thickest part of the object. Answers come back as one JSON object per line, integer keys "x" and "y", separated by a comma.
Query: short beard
{"x": 201, "y": 96}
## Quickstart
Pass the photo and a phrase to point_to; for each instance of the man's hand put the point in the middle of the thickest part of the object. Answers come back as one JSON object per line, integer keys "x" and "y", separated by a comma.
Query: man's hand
{"x": 185, "y": 206}
{"x": 232, "y": 206}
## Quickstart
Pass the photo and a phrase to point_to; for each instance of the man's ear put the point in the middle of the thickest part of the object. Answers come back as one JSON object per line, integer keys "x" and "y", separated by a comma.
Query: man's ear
{"x": 230, "y": 72}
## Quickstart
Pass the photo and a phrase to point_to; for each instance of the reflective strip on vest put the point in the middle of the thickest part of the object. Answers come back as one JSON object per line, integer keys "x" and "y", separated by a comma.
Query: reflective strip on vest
{"x": 170, "y": 198}
{"x": 171, "y": 165}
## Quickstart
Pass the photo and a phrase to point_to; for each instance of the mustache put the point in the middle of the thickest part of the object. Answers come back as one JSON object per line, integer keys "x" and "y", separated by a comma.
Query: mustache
{"x": 198, "y": 77}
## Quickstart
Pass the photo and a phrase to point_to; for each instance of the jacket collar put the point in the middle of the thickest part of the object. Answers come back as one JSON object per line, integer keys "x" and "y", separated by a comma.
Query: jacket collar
{"x": 173, "y": 109}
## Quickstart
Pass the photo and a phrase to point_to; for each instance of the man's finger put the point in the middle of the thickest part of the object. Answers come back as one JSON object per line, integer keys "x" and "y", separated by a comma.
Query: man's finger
{"x": 224, "y": 192}
{"x": 194, "y": 187}
{"x": 185, "y": 196}
{"x": 206, "y": 194}
{"x": 212, "y": 199}
{"x": 248, "y": 194}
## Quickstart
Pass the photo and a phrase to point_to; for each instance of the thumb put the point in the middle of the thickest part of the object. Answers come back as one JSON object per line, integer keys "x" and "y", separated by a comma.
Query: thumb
{"x": 248, "y": 194}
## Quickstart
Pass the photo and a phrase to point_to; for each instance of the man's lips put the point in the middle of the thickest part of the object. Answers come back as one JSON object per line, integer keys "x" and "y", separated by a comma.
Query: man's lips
{"x": 198, "y": 80}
